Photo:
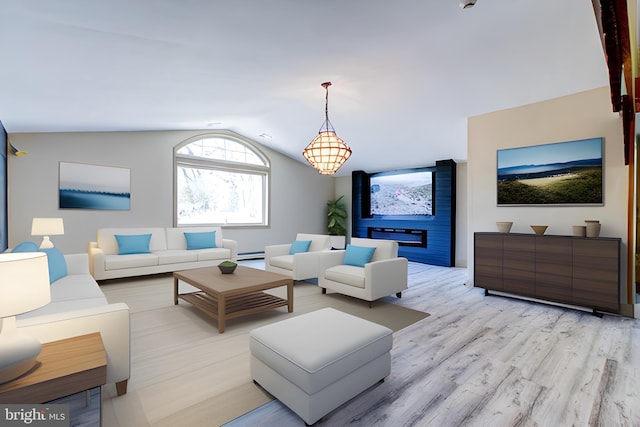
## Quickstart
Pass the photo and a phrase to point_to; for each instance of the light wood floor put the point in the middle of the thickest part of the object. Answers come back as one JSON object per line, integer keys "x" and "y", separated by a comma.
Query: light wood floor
{"x": 476, "y": 361}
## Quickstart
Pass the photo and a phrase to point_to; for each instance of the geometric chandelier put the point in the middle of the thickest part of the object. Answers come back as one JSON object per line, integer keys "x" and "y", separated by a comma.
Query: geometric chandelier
{"x": 327, "y": 152}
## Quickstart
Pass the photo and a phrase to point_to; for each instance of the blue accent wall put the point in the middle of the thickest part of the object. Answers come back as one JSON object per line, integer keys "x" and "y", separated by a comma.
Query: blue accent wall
{"x": 3, "y": 189}
{"x": 440, "y": 228}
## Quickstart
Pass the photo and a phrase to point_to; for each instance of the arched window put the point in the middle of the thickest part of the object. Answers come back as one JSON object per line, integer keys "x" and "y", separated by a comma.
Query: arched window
{"x": 221, "y": 179}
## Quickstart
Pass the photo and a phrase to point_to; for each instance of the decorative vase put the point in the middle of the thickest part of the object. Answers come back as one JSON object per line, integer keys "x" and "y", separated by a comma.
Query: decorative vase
{"x": 504, "y": 226}
{"x": 579, "y": 230}
{"x": 539, "y": 229}
{"x": 593, "y": 228}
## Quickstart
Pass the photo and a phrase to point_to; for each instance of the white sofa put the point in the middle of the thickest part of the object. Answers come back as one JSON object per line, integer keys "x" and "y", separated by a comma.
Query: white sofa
{"x": 299, "y": 266}
{"x": 79, "y": 307}
{"x": 168, "y": 252}
{"x": 385, "y": 274}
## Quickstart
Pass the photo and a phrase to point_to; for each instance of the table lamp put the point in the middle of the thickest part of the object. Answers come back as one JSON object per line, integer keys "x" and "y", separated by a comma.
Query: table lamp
{"x": 47, "y": 227}
{"x": 24, "y": 286}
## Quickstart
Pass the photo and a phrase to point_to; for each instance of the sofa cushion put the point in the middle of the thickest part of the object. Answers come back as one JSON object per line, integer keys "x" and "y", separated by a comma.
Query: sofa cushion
{"x": 72, "y": 292}
{"x": 282, "y": 261}
{"x": 105, "y": 238}
{"x": 200, "y": 240}
{"x": 54, "y": 308}
{"x": 347, "y": 274}
{"x": 319, "y": 242}
{"x": 75, "y": 286}
{"x": 385, "y": 249}
{"x": 115, "y": 262}
{"x": 358, "y": 255}
{"x": 175, "y": 238}
{"x": 25, "y": 247}
{"x": 173, "y": 256}
{"x": 212, "y": 254}
{"x": 56, "y": 262}
{"x": 299, "y": 246}
{"x": 133, "y": 244}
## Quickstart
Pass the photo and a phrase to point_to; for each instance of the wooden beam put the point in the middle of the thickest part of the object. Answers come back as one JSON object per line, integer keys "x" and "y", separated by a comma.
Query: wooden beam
{"x": 612, "y": 18}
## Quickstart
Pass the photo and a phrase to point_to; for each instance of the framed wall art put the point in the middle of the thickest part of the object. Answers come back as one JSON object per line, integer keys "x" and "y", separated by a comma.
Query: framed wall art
{"x": 564, "y": 173}
{"x": 84, "y": 186}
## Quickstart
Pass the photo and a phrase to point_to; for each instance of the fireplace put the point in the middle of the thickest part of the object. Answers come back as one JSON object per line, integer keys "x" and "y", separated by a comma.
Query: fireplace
{"x": 404, "y": 236}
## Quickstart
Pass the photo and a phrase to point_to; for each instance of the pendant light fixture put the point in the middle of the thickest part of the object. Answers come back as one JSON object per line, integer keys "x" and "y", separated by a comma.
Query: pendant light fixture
{"x": 327, "y": 152}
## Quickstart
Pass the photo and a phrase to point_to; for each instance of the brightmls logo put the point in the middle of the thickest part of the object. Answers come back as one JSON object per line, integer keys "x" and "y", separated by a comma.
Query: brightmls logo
{"x": 34, "y": 415}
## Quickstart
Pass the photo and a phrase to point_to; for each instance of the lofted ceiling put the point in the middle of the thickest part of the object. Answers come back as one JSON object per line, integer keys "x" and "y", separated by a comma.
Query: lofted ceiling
{"x": 406, "y": 74}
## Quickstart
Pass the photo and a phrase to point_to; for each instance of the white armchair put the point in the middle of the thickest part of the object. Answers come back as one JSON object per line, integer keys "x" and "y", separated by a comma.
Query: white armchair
{"x": 385, "y": 274}
{"x": 301, "y": 265}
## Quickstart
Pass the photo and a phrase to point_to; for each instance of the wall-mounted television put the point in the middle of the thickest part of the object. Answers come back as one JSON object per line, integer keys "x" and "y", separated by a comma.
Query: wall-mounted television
{"x": 408, "y": 192}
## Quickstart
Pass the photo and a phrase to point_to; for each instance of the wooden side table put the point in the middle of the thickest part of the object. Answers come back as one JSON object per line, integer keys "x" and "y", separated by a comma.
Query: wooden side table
{"x": 64, "y": 368}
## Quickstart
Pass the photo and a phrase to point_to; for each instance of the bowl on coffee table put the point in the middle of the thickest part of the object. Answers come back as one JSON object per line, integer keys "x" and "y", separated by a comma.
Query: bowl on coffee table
{"x": 227, "y": 267}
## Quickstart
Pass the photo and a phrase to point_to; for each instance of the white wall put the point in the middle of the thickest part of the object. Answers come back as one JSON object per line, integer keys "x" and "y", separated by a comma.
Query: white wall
{"x": 579, "y": 116}
{"x": 298, "y": 193}
{"x": 462, "y": 218}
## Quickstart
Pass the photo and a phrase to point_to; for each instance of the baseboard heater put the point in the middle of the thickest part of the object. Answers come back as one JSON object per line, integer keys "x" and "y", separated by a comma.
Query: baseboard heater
{"x": 250, "y": 255}
{"x": 404, "y": 236}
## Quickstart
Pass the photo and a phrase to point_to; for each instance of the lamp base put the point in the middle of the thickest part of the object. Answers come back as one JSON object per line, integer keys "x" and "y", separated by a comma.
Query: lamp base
{"x": 46, "y": 243}
{"x": 19, "y": 353}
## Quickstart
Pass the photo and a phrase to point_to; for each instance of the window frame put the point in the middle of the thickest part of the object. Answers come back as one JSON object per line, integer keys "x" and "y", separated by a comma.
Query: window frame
{"x": 182, "y": 160}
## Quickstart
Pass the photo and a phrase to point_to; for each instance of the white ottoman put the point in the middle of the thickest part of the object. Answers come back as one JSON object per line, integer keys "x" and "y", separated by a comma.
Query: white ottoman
{"x": 315, "y": 362}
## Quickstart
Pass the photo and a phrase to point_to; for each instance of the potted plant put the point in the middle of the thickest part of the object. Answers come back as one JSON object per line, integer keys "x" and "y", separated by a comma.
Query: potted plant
{"x": 337, "y": 222}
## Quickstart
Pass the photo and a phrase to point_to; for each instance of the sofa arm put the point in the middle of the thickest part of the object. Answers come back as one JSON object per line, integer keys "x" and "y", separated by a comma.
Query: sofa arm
{"x": 111, "y": 320}
{"x": 232, "y": 245}
{"x": 386, "y": 276}
{"x": 275, "y": 250}
{"x": 96, "y": 260}
{"x": 306, "y": 265}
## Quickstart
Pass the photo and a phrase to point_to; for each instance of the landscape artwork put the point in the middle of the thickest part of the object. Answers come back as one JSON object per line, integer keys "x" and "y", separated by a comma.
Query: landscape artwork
{"x": 565, "y": 173}
{"x": 85, "y": 186}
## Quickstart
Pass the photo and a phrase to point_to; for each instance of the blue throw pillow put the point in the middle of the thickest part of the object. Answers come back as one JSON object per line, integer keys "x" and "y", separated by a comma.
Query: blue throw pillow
{"x": 57, "y": 264}
{"x": 299, "y": 246}
{"x": 358, "y": 255}
{"x": 25, "y": 247}
{"x": 133, "y": 243}
{"x": 203, "y": 240}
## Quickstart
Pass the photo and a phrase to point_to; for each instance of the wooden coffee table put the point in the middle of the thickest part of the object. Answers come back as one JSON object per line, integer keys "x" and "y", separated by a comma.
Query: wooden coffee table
{"x": 227, "y": 296}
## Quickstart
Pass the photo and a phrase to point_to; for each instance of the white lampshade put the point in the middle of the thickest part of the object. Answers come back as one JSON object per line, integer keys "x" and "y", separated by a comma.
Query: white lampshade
{"x": 47, "y": 227}
{"x": 24, "y": 286}
{"x": 327, "y": 152}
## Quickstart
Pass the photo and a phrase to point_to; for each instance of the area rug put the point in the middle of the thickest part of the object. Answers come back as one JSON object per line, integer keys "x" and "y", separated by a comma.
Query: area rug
{"x": 384, "y": 312}
{"x": 270, "y": 414}
{"x": 164, "y": 335}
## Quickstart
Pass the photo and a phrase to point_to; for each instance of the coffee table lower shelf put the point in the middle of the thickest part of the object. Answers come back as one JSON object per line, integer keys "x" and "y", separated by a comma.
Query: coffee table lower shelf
{"x": 235, "y": 306}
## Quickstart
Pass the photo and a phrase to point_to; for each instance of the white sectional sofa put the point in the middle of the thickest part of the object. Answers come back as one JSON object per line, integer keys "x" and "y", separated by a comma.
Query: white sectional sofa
{"x": 79, "y": 307}
{"x": 167, "y": 252}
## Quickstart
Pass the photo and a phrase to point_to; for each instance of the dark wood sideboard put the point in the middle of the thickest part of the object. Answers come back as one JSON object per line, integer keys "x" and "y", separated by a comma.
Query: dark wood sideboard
{"x": 580, "y": 271}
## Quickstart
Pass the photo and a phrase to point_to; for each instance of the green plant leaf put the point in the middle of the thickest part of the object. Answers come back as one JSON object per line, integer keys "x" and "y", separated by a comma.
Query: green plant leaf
{"x": 336, "y": 217}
